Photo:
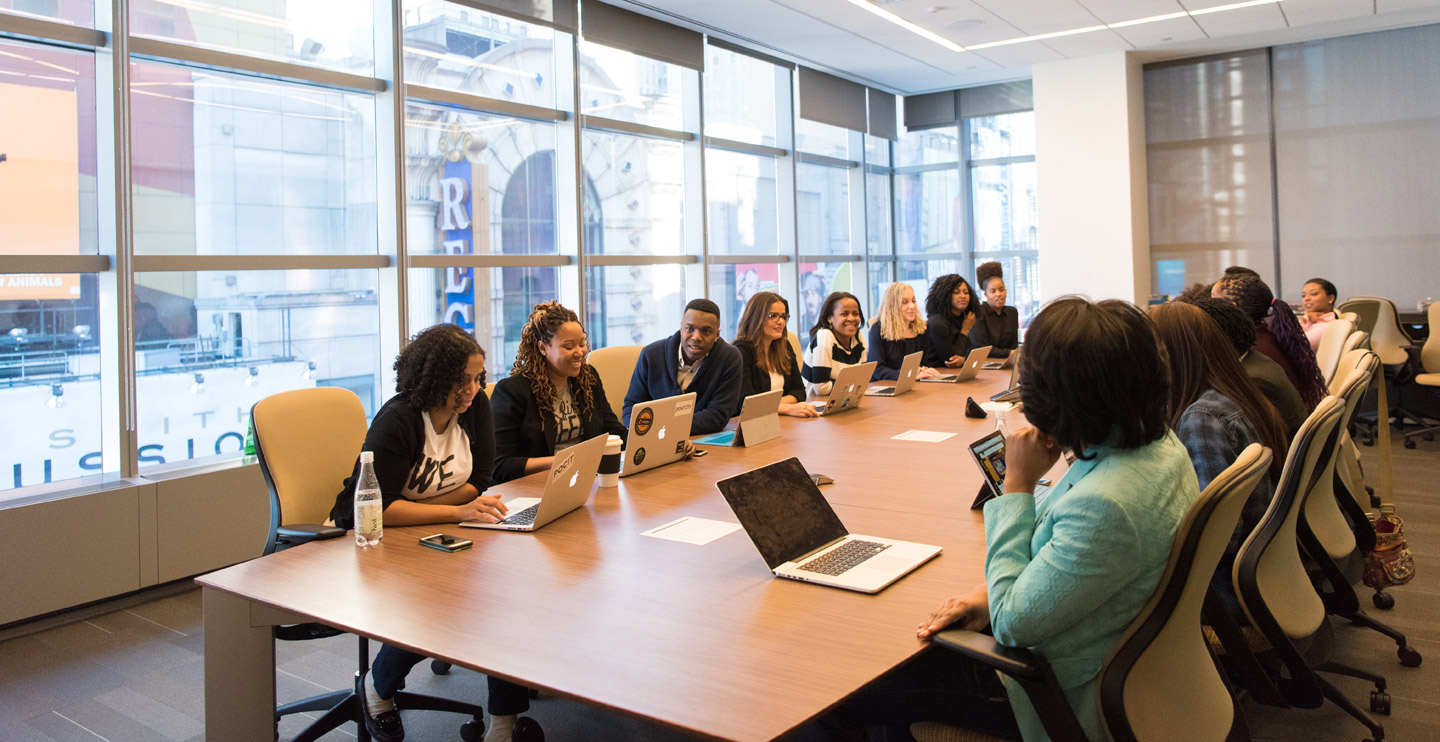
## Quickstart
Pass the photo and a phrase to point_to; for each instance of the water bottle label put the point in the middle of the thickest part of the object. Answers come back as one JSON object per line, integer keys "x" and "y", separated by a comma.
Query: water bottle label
{"x": 368, "y": 516}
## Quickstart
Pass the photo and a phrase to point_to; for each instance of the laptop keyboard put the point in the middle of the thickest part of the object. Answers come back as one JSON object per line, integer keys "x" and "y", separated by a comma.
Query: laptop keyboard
{"x": 524, "y": 517}
{"x": 848, "y": 555}
{"x": 881, "y": 391}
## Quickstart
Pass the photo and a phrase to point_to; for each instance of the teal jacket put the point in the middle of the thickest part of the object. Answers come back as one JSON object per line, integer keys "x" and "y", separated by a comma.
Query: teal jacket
{"x": 1068, "y": 575}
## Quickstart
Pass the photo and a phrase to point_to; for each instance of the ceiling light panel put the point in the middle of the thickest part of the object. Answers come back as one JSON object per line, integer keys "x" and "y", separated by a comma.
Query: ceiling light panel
{"x": 962, "y": 21}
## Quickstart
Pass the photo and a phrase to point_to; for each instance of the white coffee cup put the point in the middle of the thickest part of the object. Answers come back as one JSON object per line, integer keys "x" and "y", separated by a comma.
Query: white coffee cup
{"x": 610, "y": 462}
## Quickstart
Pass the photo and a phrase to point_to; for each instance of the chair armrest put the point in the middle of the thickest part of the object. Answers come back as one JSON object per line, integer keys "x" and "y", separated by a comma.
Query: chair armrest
{"x": 1017, "y": 662}
{"x": 302, "y": 533}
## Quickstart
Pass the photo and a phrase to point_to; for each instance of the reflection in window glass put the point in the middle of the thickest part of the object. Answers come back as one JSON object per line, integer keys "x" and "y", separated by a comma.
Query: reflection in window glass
{"x": 877, "y": 151}
{"x": 740, "y": 190}
{"x": 822, "y": 139}
{"x": 927, "y": 147}
{"x": 1006, "y": 135}
{"x": 321, "y": 33}
{"x": 616, "y": 84}
{"x": 633, "y": 195}
{"x": 878, "y": 237}
{"x": 232, "y": 165}
{"x": 881, "y": 275}
{"x": 817, "y": 281}
{"x": 1005, "y": 207}
{"x": 928, "y": 211}
{"x": 633, "y": 304}
{"x": 492, "y": 303}
{"x": 733, "y": 285}
{"x": 822, "y": 203}
{"x": 74, "y": 12}
{"x": 456, "y": 47}
{"x": 479, "y": 183}
{"x": 1022, "y": 283}
{"x": 220, "y": 341}
{"x": 739, "y": 97}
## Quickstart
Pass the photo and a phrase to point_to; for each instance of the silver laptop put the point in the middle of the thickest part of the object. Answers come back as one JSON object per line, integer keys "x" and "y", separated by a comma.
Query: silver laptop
{"x": 969, "y": 369}
{"x": 909, "y": 368}
{"x": 800, "y": 537}
{"x": 658, "y": 431}
{"x": 1013, "y": 393}
{"x": 566, "y": 488}
{"x": 989, "y": 455}
{"x": 1009, "y": 361}
{"x": 759, "y": 422}
{"x": 847, "y": 390}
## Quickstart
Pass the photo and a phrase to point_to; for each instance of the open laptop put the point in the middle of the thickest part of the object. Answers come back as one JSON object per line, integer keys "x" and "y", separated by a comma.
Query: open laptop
{"x": 800, "y": 537}
{"x": 759, "y": 422}
{"x": 658, "y": 431}
{"x": 847, "y": 390}
{"x": 1009, "y": 361}
{"x": 1013, "y": 393}
{"x": 906, "y": 381}
{"x": 566, "y": 488}
{"x": 989, "y": 455}
{"x": 969, "y": 369}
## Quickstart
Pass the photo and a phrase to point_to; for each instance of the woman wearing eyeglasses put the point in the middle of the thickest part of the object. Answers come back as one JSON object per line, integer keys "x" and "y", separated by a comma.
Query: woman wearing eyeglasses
{"x": 766, "y": 359}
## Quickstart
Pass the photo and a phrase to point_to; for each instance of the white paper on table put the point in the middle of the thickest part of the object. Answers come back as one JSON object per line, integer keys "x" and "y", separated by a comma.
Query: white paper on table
{"x": 997, "y": 406}
{"x": 689, "y": 530}
{"x": 924, "y": 436}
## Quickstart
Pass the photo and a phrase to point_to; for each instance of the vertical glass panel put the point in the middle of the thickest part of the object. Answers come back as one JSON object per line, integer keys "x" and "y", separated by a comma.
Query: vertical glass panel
{"x": 741, "y": 195}
{"x": 882, "y": 274}
{"x": 49, "y": 381}
{"x": 928, "y": 211}
{"x": 919, "y": 274}
{"x": 334, "y": 34}
{"x": 74, "y": 12}
{"x": 1022, "y": 282}
{"x": 822, "y": 203}
{"x": 1208, "y": 164}
{"x": 877, "y": 151}
{"x": 633, "y": 304}
{"x": 633, "y": 195}
{"x": 879, "y": 239}
{"x": 822, "y": 139}
{"x": 817, "y": 281}
{"x": 1006, "y": 135}
{"x": 733, "y": 285}
{"x": 220, "y": 341}
{"x": 232, "y": 165}
{"x": 479, "y": 183}
{"x": 457, "y": 47}
{"x": 616, "y": 84}
{"x": 492, "y": 303}
{"x": 739, "y": 97}
{"x": 1005, "y": 207}
{"x": 928, "y": 147}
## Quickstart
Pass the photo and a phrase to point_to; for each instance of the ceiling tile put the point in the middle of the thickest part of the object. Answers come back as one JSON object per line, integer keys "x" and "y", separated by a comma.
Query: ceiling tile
{"x": 1320, "y": 11}
{"x": 1020, "y": 55}
{"x": 1041, "y": 16}
{"x": 1115, "y": 11}
{"x": 962, "y": 21}
{"x": 1162, "y": 32}
{"x": 1085, "y": 44}
{"x": 1241, "y": 20}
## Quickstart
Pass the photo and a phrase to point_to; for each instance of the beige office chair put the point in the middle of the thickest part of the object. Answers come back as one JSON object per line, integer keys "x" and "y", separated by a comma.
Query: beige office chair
{"x": 615, "y": 365}
{"x": 1332, "y": 346}
{"x": 1381, "y": 319}
{"x": 1357, "y": 340}
{"x": 1430, "y": 363}
{"x": 795, "y": 346}
{"x": 1159, "y": 682}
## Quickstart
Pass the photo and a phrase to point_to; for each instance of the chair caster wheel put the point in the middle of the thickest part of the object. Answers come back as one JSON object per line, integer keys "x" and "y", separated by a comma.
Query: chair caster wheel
{"x": 1410, "y": 444}
{"x": 1379, "y": 702}
{"x": 527, "y": 730}
{"x": 1408, "y": 656}
{"x": 439, "y": 667}
{"x": 1428, "y": 436}
{"x": 473, "y": 730}
{"x": 1383, "y": 601}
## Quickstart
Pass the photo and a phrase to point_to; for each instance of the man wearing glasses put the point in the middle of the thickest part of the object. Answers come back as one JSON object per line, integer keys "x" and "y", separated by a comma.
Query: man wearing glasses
{"x": 695, "y": 359}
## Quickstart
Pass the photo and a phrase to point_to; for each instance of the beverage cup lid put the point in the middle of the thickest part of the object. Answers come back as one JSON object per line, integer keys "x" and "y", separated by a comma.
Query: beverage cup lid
{"x": 367, "y": 457}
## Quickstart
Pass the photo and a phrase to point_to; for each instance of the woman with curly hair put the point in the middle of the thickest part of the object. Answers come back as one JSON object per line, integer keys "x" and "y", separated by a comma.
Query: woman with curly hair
{"x": 951, "y": 308}
{"x": 1277, "y": 333}
{"x": 552, "y": 399}
{"x": 766, "y": 359}
{"x": 434, "y": 449}
{"x": 998, "y": 325}
{"x": 898, "y": 331}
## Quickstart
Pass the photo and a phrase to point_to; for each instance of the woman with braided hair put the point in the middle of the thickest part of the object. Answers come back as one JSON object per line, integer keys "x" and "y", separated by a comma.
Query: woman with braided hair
{"x": 552, "y": 399}
{"x": 1277, "y": 333}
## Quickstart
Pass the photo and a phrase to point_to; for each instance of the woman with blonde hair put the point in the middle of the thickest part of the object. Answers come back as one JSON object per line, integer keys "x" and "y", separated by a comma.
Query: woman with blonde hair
{"x": 766, "y": 359}
{"x": 898, "y": 331}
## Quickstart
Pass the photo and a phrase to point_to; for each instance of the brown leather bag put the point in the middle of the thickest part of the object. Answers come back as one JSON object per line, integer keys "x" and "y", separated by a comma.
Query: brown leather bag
{"x": 1391, "y": 562}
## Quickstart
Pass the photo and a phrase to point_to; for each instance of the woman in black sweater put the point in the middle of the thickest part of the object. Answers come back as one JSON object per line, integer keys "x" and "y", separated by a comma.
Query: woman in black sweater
{"x": 766, "y": 359}
{"x": 552, "y": 399}
{"x": 951, "y": 308}
{"x": 897, "y": 332}
{"x": 998, "y": 325}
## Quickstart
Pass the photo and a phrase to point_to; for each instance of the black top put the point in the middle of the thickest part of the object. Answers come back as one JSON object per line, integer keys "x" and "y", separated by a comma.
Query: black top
{"x": 397, "y": 438}
{"x": 1000, "y": 331}
{"x": 889, "y": 355}
{"x": 716, "y": 384}
{"x": 946, "y": 338}
{"x": 521, "y": 433}
{"x": 754, "y": 380}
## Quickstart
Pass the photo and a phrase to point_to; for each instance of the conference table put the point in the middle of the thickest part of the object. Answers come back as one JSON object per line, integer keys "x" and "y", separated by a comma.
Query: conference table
{"x": 696, "y": 637}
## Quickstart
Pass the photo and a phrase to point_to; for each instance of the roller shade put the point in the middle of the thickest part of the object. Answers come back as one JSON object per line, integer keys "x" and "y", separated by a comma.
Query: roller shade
{"x": 882, "y": 114}
{"x": 830, "y": 100}
{"x": 729, "y": 47}
{"x": 930, "y": 111}
{"x": 993, "y": 100}
{"x": 643, "y": 35}
{"x": 558, "y": 14}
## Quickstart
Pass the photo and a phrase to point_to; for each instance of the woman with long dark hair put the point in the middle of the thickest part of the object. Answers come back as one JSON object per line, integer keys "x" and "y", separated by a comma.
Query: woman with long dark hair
{"x": 950, "y": 307}
{"x": 1277, "y": 333}
{"x": 766, "y": 359}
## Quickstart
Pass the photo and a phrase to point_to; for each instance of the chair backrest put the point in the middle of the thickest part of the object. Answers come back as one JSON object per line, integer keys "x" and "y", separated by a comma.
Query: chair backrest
{"x": 1354, "y": 317}
{"x": 1332, "y": 345}
{"x": 615, "y": 365}
{"x": 1430, "y": 351}
{"x": 795, "y": 346}
{"x": 489, "y": 390}
{"x": 308, "y": 441}
{"x": 1322, "y": 512}
{"x": 1387, "y": 337}
{"x": 1366, "y": 309}
{"x": 1163, "y": 657}
{"x": 1357, "y": 339}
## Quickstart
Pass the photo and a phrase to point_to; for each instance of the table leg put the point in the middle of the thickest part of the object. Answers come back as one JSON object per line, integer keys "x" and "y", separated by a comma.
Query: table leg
{"x": 239, "y": 671}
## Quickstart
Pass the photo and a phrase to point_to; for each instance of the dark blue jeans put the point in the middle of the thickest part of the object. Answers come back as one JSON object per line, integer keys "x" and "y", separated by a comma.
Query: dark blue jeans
{"x": 392, "y": 665}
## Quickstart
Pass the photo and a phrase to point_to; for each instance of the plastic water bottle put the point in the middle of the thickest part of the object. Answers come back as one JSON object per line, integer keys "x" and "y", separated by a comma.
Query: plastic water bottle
{"x": 1000, "y": 423}
{"x": 369, "y": 509}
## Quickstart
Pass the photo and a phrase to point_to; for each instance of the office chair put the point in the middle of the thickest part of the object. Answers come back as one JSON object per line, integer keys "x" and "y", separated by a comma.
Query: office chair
{"x": 1162, "y": 660}
{"x": 307, "y": 442}
{"x": 615, "y": 365}
{"x": 1430, "y": 363}
{"x": 1332, "y": 346}
{"x": 1274, "y": 591}
{"x": 795, "y": 346}
{"x": 1389, "y": 341}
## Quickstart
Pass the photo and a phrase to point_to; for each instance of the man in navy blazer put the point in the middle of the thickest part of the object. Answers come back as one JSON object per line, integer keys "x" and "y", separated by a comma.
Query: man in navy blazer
{"x": 695, "y": 359}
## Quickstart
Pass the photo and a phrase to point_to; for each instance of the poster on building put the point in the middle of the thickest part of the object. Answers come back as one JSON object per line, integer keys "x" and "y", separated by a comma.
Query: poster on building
{"x": 39, "y": 187}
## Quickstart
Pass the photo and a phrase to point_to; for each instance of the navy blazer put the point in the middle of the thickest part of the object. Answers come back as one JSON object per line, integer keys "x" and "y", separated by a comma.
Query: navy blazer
{"x": 716, "y": 385}
{"x": 521, "y": 434}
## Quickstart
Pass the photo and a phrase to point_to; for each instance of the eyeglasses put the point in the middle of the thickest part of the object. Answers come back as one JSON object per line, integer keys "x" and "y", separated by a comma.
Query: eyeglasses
{"x": 776, "y": 315}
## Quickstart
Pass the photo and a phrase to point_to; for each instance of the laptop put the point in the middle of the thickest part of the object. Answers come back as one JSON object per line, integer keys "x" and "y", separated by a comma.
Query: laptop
{"x": 1009, "y": 361}
{"x": 658, "y": 431}
{"x": 989, "y": 455}
{"x": 1013, "y": 393}
{"x": 801, "y": 538}
{"x": 759, "y": 422}
{"x": 908, "y": 370}
{"x": 847, "y": 390}
{"x": 566, "y": 488}
{"x": 969, "y": 369}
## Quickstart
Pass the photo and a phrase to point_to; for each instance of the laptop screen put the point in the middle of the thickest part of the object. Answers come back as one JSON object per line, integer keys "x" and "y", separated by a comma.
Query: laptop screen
{"x": 782, "y": 510}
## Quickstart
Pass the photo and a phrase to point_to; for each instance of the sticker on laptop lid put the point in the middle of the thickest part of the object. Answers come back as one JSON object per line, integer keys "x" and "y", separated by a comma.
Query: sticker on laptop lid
{"x": 643, "y": 420}
{"x": 564, "y": 466}
{"x": 685, "y": 408}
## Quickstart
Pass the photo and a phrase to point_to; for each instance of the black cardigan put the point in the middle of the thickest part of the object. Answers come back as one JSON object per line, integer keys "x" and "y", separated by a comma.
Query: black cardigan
{"x": 946, "y": 338}
{"x": 754, "y": 381}
{"x": 889, "y": 355}
{"x": 521, "y": 434}
{"x": 1000, "y": 331}
{"x": 397, "y": 438}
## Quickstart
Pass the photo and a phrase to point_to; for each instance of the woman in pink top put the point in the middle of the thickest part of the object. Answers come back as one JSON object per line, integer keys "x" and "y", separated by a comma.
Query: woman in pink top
{"x": 1318, "y": 301}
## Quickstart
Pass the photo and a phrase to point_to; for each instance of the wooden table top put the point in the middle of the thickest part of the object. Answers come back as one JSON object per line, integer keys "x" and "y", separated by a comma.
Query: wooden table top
{"x": 701, "y": 638}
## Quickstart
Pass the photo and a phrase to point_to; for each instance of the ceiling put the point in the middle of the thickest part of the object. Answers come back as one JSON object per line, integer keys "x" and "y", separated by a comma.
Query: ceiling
{"x": 838, "y": 37}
